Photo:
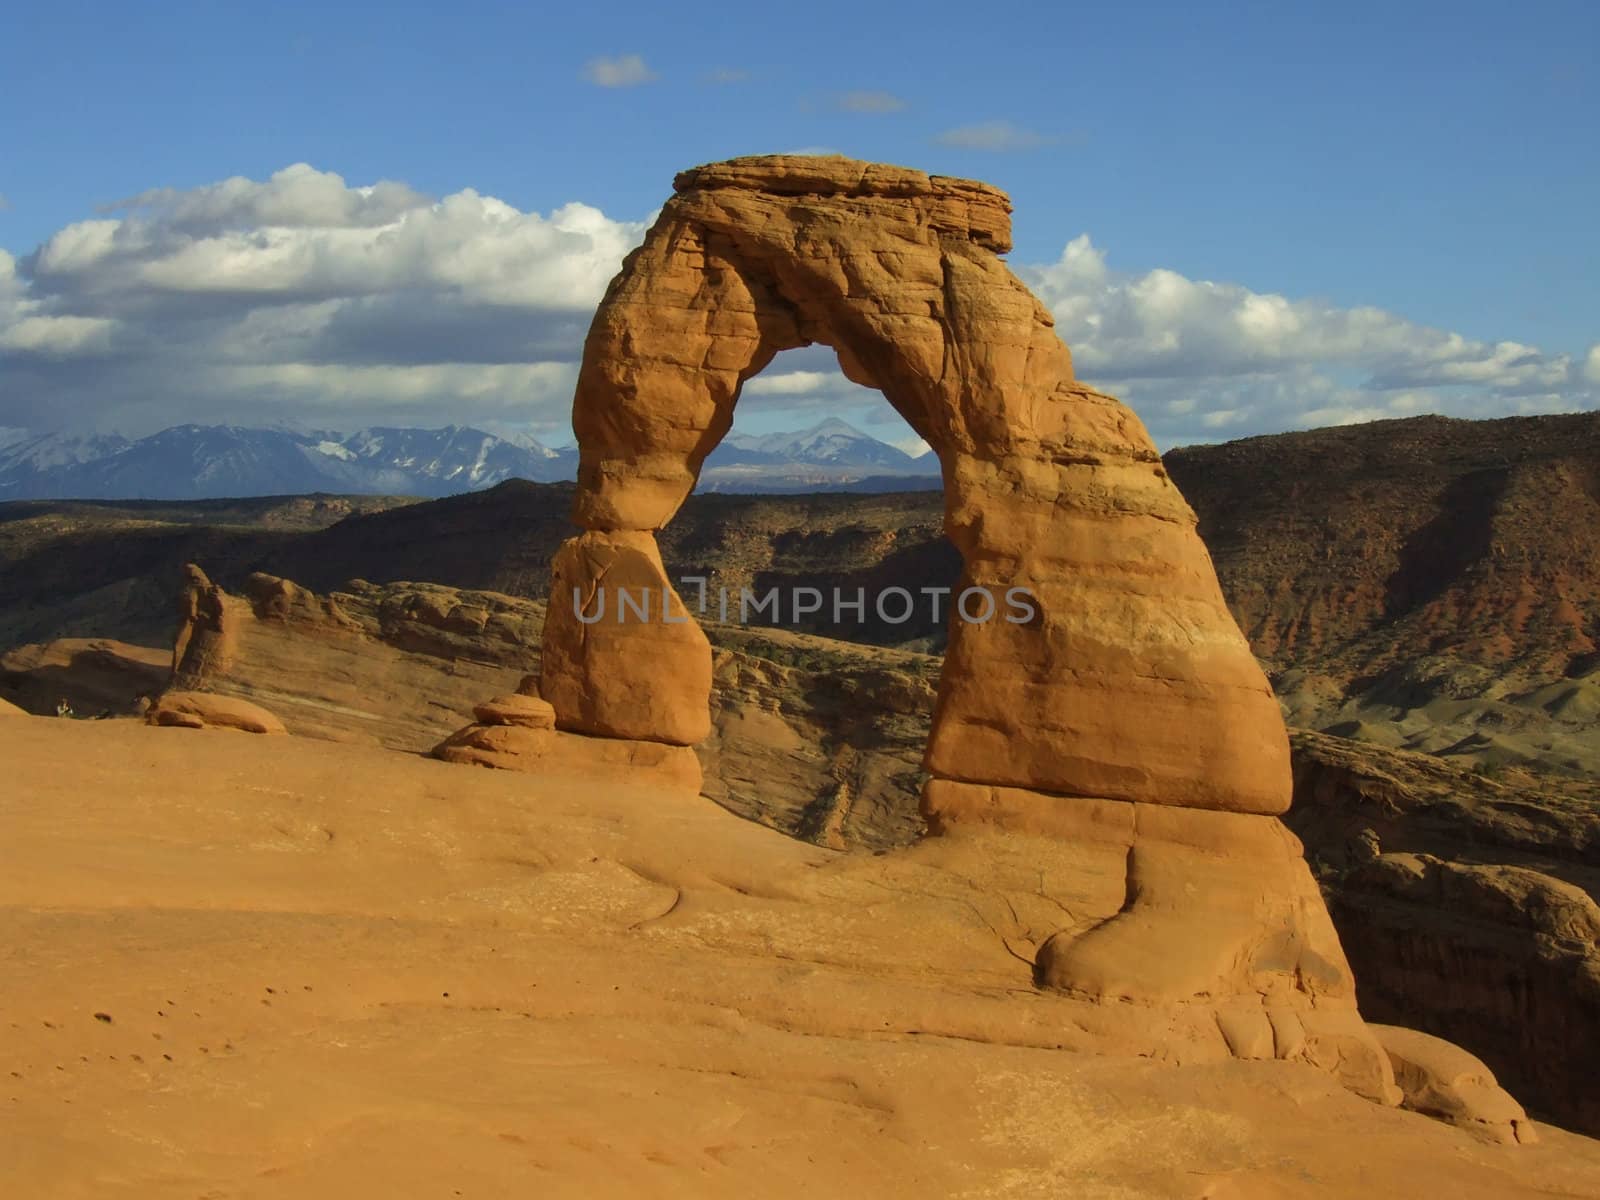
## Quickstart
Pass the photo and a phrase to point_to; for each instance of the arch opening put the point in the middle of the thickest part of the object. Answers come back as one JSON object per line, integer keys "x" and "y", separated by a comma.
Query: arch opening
{"x": 849, "y": 500}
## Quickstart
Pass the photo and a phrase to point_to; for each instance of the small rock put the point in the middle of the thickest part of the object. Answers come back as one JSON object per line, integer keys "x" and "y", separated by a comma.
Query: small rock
{"x": 527, "y": 711}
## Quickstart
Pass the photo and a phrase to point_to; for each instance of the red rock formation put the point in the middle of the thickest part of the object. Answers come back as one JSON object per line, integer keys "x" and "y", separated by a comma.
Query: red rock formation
{"x": 206, "y": 710}
{"x": 1120, "y": 740}
{"x": 1125, "y": 702}
{"x": 623, "y": 658}
{"x": 1131, "y": 682}
{"x": 1442, "y": 1080}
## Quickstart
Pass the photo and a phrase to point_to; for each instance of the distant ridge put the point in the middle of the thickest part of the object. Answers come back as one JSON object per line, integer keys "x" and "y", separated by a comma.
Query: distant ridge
{"x": 203, "y": 462}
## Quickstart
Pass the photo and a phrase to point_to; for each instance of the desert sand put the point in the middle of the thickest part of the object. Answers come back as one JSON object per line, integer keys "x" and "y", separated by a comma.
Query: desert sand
{"x": 245, "y": 966}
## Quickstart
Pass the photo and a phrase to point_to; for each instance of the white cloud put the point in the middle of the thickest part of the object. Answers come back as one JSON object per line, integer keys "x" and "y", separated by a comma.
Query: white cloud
{"x": 270, "y": 246}
{"x": 994, "y": 136}
{"x": 300, "y": 298}
{"x": 868, "y": 102}
{"x": 57, "y": 335}
{"x": 1164, "y": 324}
{"x": 627, "y": 70}
{"x": 5, "y": 202}
{"x": 1202, "y": 359}
{"x": 306, "y": 296}
{"x": 791, "y": 383}
{"x": 297, "y": 196}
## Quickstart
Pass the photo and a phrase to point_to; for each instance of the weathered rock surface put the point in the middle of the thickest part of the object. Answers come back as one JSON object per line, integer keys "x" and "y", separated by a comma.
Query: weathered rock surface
{"x": 516, "y": 747}
{"x": 790, "y": 748}
{"x": 1467, "y": 906}
{"x": 611, "y": 990}
{"x": 1366, "y": 547}
{"x": 1428, "y": 584}
{"x": 398, "y": 666}
{"x": 1209, "y": 911}
{"x": 206, "y": 710}
{"x": 621, "y": 655}
{"x": 1442, "y": 1080}
{"x": 529, "y": 712}
{"x": 92, "y": 676}
{"x": 1131, "y": 681}
{"x": 8, "y": 709}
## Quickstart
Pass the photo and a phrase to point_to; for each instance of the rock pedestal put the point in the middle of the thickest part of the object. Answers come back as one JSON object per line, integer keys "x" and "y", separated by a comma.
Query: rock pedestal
{"x": 622, "y": 657}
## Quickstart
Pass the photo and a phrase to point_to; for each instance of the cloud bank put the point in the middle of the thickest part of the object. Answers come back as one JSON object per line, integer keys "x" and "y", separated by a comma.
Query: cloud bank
{"x": 1203, "y": 360}
{"x": 303, "y": 300}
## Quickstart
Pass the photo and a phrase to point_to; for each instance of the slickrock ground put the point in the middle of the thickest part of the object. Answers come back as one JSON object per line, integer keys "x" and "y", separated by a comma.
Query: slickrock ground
{"x": 1494, "y": 965}
{"x": 245, "y": 966}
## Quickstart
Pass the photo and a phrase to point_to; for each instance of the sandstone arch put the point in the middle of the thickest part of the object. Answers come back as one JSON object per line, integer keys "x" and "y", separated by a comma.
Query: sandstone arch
{"x": 1134, "y": 683}
{"x": 1120, "y": 760}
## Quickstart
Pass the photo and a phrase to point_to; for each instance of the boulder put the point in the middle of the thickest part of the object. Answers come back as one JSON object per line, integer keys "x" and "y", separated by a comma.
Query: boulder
{"x": 1440, "y": 1079}
{"x": 550, "y": 752}
{"x": 528, "y": 711}
{"x": 206, "y": 710}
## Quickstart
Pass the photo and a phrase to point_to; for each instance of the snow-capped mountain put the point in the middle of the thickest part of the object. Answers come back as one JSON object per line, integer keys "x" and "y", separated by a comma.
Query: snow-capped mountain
{"x": 832, "y": 456}
{"x": 29, "y": 463}
{"x": 193, "y": 462}
{"x": 833, "y": 443}
{"x": 452, "y": 459}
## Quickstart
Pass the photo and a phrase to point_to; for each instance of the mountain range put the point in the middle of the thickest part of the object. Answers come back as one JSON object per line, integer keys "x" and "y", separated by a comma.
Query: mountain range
{"x": 196, "y": 462}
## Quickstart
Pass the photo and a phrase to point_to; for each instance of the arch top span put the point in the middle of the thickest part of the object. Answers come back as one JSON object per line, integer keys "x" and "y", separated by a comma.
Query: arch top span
{"x": 965, "y": 207}
{"x": 1132, "y": 682}
{"x": 897, "y": 271}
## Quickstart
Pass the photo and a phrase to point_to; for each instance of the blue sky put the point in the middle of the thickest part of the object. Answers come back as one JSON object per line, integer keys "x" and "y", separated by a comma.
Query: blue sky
{"x": 1437, "y": 162}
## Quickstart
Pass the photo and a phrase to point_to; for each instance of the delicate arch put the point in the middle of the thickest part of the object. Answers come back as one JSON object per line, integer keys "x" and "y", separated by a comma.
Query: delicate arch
{"x": 1132, "y": 682}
